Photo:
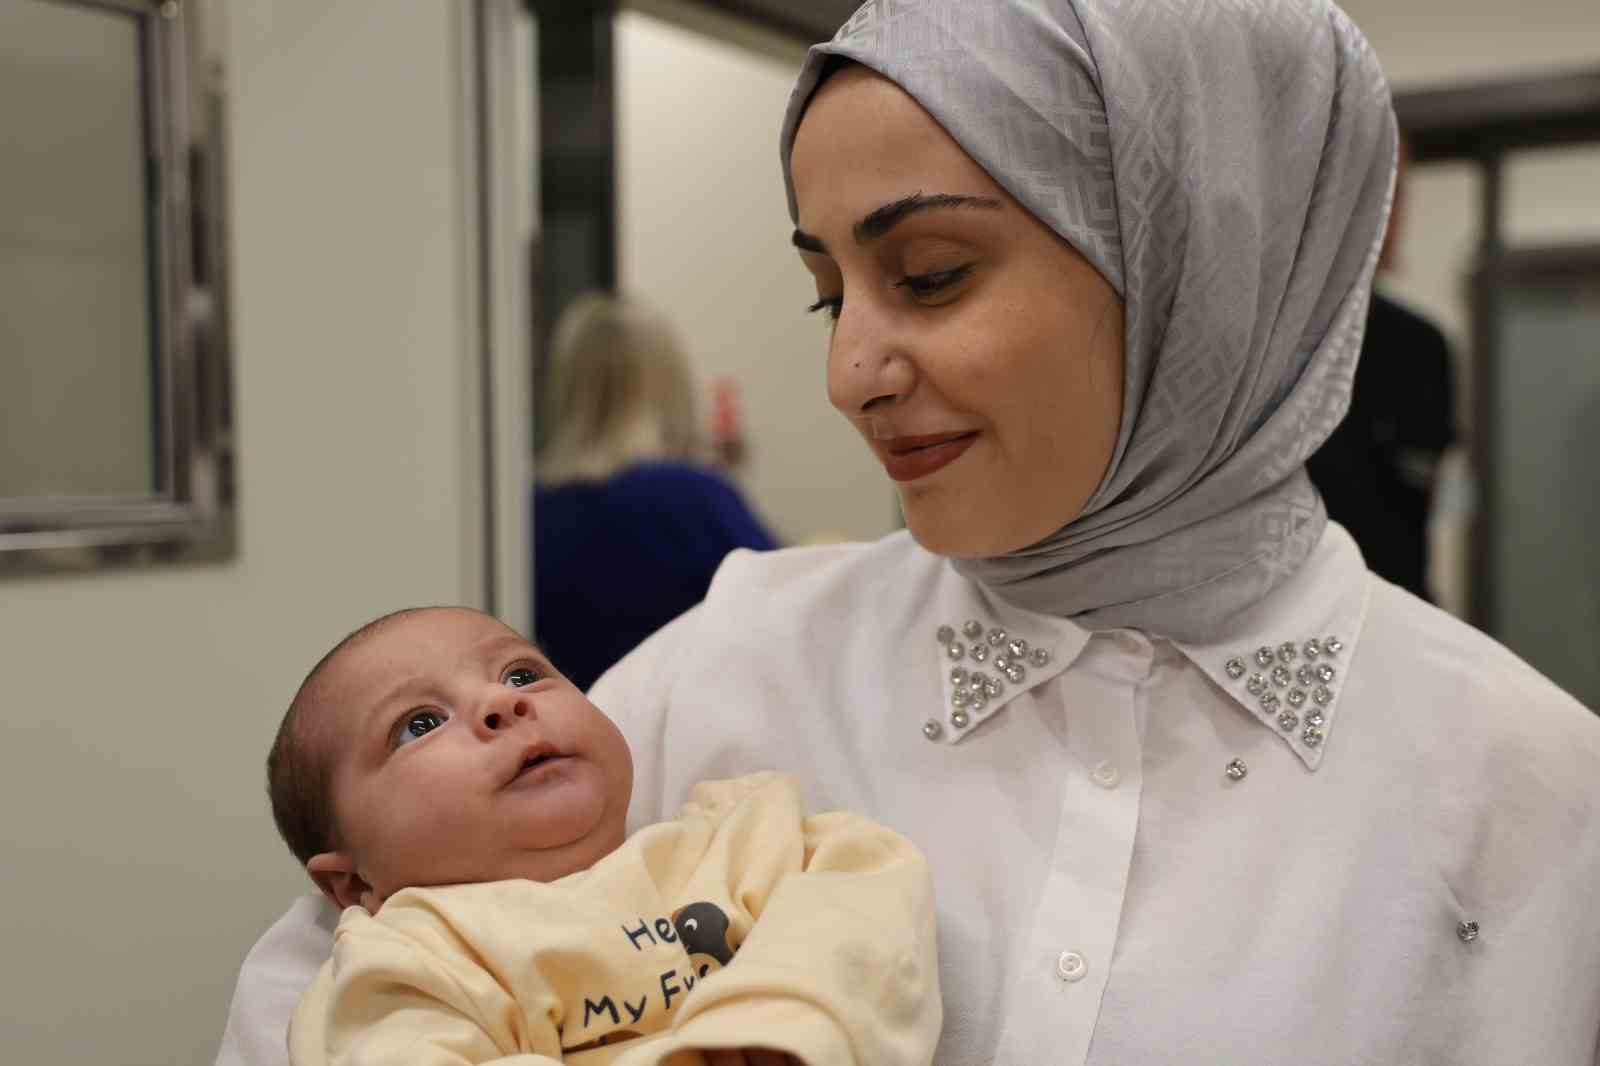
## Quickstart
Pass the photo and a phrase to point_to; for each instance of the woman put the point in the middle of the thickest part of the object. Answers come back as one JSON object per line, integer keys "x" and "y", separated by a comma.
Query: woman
{"x": 629, "y": 520}
{"x": 1194, "y": 785}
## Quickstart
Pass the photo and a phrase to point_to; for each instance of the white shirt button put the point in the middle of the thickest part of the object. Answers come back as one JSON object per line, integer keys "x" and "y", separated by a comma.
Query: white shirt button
{"x": 1106, "y": 775}
{"x": 1071, "y": 967}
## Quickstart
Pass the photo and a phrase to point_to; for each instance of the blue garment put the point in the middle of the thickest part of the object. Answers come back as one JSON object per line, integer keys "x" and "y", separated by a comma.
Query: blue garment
{"x": 613, "y": 561}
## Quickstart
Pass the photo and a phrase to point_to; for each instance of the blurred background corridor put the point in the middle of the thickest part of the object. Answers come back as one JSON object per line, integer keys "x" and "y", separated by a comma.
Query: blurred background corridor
{"x": 279, "y": 288}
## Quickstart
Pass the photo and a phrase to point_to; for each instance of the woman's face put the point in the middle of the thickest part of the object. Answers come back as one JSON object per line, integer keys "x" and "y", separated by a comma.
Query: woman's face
{"x": 977, "y": 352}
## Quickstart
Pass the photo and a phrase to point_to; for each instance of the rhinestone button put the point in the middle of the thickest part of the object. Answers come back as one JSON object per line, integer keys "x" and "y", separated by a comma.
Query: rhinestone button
{"x": 1287, "y": 651}
{"x": 1018, "y": 647}
{"x": 972, "y": 629}
{"x": 955, "y": 651}
{"x": 932, "y": 729}
{"x": 1296, "y": 697}
{"x": 1466, "y": 932}
{"x": 1237, "y": 770}
{"x": 1281, "y": 676}
{"x": 980, "y": 652}
{"x": 1071, "y": 967}
{"x": 1235, "y": 668}
{"x": 1263, "y": 656}
{"x": 1287, "y": 721}
{"x": 1333, "y": 645}
{"x": 1106, "y": 775}
{"x": 958, "y": 676}
{"x": 1312, "y": 736}
{"x": 946, "y": 634}
{"x": 1256, "y": 685}
{"x": 997, "y": 637}
{"x": 959, "y": 719}
{"x": 1039, "y": 657}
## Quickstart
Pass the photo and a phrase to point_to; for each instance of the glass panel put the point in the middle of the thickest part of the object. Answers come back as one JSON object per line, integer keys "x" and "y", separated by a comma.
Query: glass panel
{"x": 78, "y": 413}
{"x": 1550, "y": 195}
{"x": 1546, "y": 565}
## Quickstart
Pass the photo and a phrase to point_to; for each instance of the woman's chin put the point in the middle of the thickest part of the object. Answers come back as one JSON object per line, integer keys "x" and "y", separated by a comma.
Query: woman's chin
{"x": 954, "y": 539}
{"x": 957, "y": 531}
{"x": 978, "y": 524}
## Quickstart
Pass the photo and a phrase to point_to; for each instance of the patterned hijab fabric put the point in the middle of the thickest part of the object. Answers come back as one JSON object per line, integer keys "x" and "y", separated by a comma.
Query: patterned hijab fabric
{"x": 1227, "y": 166}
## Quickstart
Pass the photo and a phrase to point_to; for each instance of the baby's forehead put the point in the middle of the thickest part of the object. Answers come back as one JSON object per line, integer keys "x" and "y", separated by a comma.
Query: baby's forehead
{"x": 420, "y": 644}
{"x": 423, "y": 642}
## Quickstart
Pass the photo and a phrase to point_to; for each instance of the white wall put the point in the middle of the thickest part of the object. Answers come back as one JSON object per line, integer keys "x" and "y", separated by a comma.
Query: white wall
{"x": 138, "y": 859}
{"x": 704, "y": 237}
{"x": 1427, "y": 42}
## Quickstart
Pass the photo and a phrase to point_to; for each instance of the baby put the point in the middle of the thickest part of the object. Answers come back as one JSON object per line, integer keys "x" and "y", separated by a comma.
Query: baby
{"x": 465, "y": 804}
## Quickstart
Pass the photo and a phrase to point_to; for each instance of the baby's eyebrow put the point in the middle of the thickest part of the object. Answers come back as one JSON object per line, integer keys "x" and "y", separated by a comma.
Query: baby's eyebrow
{"x": 391, "y": 695}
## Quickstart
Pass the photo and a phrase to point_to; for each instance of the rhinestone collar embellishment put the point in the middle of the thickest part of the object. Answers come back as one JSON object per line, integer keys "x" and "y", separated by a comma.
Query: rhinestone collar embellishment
{"x": 1283, "y": 689}
{"x": 972, "y": 688}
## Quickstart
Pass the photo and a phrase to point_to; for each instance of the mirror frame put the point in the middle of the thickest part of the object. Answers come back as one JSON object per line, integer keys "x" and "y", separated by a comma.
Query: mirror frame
{"x": 190, "y": 514}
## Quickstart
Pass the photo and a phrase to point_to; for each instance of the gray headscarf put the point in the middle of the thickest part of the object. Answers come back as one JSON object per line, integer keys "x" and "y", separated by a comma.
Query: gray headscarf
{"x": 1228, "y": 167}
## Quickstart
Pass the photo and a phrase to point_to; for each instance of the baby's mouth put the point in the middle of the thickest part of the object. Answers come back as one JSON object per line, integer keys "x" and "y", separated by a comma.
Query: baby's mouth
{"x": 535, "y": 757}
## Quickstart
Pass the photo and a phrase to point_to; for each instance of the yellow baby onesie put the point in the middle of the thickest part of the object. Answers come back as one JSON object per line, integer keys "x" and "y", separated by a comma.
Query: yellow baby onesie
{"x": 740, "y": 923}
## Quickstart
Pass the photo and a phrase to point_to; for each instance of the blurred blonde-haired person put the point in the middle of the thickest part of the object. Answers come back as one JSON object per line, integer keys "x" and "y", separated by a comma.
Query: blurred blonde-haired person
{"x": 630, "y": 517}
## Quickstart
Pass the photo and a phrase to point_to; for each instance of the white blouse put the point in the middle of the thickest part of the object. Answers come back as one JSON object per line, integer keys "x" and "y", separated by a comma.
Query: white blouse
{"x": 1349, "y": 829}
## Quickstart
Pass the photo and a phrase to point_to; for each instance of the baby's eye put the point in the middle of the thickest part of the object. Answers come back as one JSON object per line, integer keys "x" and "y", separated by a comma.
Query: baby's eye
{"x": 417, "y": 724}
{"x": 520, "y": 677}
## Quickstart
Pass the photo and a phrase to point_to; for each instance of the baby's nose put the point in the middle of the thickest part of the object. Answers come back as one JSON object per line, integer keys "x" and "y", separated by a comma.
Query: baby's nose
{"x": 500, "y": 713}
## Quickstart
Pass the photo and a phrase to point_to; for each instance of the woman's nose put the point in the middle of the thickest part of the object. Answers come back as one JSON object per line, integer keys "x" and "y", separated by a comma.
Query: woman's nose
{"x": 867, "y": 366}
{"x": 500, "y": 708}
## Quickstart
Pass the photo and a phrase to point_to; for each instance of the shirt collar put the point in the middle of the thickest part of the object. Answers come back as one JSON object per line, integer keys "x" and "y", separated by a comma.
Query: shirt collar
{"x": 1283, "y": 660}
{"x": 1287, "y": 658}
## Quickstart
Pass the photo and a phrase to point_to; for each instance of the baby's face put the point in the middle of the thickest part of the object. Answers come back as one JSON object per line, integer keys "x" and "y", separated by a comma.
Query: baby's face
{"x": 463, "y": 756}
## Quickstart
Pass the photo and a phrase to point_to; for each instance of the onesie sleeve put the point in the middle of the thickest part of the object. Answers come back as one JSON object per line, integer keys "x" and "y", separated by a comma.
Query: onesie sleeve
{"x": 393, "y": 999}
{"x": 839, "y": 965}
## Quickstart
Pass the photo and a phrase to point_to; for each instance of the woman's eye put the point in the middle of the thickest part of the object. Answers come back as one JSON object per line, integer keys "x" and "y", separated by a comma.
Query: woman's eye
{"x": 520, "y": 677}
{"x": 416, "y": 725}
{"x": 832, "y": 305}
{"x": 931, "y": 283}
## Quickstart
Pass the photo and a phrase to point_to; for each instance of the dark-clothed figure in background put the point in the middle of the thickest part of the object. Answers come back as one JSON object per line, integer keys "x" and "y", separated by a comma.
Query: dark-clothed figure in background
{"x": 630, "y": 520}
{"x": 1378, "y": 470}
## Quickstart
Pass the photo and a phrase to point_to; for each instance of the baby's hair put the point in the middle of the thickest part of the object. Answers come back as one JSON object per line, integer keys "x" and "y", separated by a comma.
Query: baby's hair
{"x": 300, "y": 764}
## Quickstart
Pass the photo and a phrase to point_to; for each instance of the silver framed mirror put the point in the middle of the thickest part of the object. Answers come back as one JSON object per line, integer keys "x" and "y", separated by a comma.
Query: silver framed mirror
{"x": 115, "y": 383}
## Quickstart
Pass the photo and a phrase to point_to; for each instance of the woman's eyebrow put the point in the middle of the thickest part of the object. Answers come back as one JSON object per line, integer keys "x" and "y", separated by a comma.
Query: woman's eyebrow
{"x": 880, "y": 221}
{"x": 807, "y": 243}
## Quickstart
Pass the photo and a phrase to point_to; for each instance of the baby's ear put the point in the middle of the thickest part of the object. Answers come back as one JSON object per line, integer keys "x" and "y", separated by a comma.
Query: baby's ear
{"x": 335, "y": 873}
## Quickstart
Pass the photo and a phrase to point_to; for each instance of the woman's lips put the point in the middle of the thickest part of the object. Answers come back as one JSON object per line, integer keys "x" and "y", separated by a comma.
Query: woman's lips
{"x": 910, "y": 458}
